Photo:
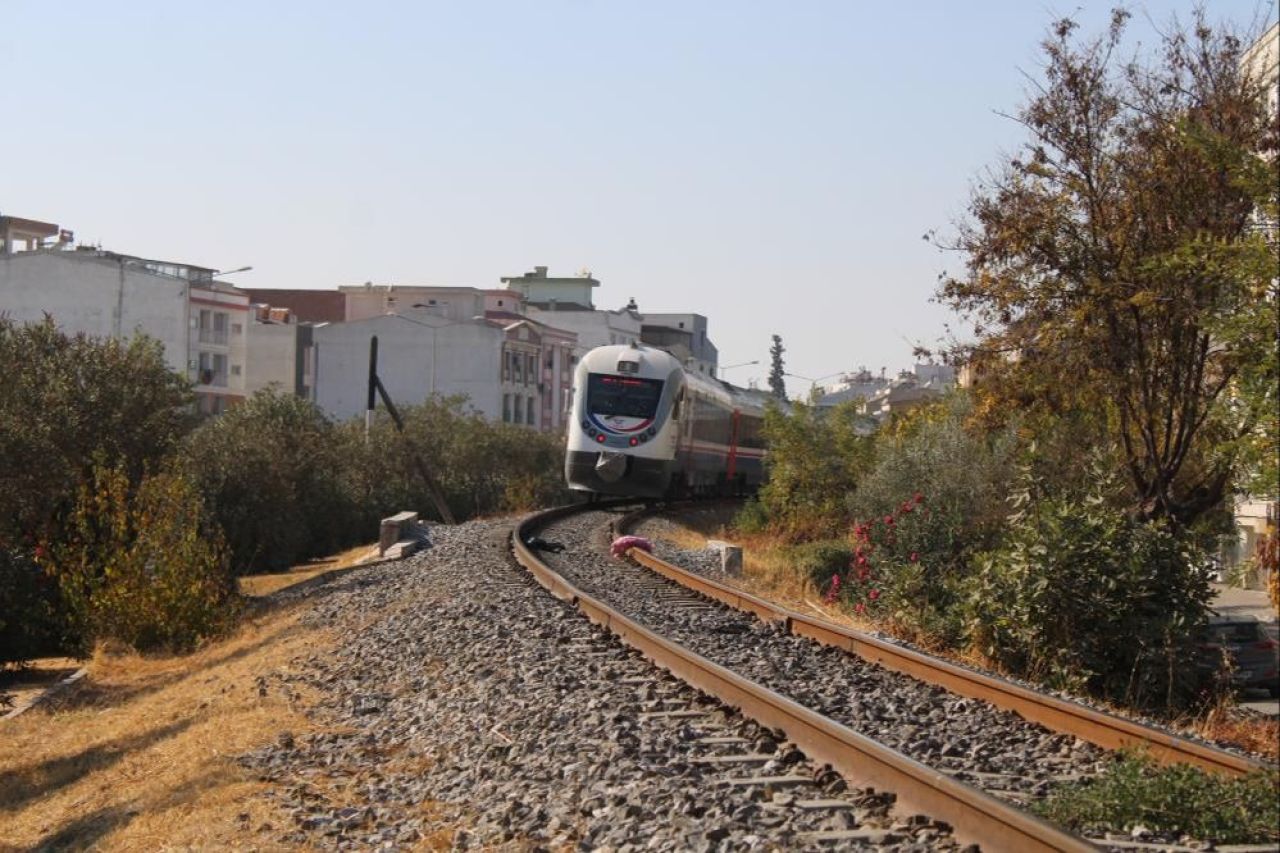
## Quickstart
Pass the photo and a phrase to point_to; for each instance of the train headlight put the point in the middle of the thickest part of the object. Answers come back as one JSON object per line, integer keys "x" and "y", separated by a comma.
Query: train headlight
{"x": 600, "y": 438}
{"x": 634, "y": 441}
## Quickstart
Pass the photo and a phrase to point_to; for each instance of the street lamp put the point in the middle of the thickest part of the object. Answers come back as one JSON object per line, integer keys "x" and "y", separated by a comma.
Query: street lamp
{"x": 732, "y": 366}
{"x": 217, "y": 273}
{"x": 813, "y": 383}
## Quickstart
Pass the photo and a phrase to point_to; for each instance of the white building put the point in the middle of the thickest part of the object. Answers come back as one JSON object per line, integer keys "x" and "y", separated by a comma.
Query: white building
{"x": 200, "y": 322}
{"x": 685, "y": 337}
{"x": 418, "y": 355}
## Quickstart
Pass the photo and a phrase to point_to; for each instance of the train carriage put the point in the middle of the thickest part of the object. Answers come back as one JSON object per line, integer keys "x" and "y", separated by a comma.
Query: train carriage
{"x": 641, "y": 426}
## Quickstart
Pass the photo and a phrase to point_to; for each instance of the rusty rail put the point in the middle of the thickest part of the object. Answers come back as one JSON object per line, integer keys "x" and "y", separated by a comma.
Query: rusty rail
{"x": 1060, "y": 715}
{"x": 974, "y": 815}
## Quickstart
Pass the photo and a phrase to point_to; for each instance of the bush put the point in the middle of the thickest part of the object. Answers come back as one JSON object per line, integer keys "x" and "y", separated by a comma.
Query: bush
{"x": 813, "y": 464}
{"x": 144, "y": 569}
{"x": 933, "y": 497}
{"x": 69, "y": 403}
{"x": 1178, "y": 799}
{"x": 32, "y": 622}
{"x": 821, "y": 561}
{"x": 1084, "y": 597}
{"x": 272, "y": 473}
{"x": 480, "y": 466}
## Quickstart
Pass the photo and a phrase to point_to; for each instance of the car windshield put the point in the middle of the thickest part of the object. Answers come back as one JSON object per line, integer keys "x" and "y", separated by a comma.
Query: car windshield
{"x": 625, "y": 396}
{"x": 1230, "y": 633}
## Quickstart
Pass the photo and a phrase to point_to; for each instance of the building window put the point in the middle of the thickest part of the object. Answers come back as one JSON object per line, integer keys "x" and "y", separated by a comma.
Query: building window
{"x": 506, "y": 408}
{"x": 529, "y": 419}
{"x": 213, "y": 369}
{"x": 235, "y": 370}
{"x": 237, "y": 329}
{"x": 516, "y": 368}
{"x": 506, "y": 367}
{"x": 531, "y": 368}
{"x": 213, "y": 327}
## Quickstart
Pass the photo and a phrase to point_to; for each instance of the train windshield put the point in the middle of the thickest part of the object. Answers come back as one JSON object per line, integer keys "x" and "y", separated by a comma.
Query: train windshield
{"x": 623, "y": 396}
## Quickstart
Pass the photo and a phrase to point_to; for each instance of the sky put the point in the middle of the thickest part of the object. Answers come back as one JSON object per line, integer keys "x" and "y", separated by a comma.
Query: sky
{"x": 770, "y": 165}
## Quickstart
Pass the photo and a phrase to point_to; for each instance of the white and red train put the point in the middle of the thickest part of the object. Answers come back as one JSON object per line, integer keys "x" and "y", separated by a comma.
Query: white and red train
{"x": 642, "y": 426}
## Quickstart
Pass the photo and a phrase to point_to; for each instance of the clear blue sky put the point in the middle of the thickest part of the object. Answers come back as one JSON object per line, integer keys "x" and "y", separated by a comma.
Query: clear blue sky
{"x": 770, "y": 165}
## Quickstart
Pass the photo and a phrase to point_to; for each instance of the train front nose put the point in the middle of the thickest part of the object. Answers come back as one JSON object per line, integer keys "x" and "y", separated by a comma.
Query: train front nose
{"x": 611, "y": 466}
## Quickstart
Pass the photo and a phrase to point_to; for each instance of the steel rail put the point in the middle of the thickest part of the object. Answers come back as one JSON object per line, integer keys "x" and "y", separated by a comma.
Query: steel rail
{"x": 975, "y": 817}
{"x": 1060, "y": 715}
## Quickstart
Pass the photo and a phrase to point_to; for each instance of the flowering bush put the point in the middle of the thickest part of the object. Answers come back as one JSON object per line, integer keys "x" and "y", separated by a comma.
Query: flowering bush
{"x": 1083, "y": 596}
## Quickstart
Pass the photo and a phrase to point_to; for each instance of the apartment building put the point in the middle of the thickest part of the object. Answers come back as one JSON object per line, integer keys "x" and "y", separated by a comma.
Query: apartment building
{"x": 200, "y": 322}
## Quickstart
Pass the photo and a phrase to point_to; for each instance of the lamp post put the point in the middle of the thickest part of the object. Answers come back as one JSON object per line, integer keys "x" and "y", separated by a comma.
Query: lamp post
{"x": 732, "y": 366}
{"x": 813, "y": 383}
{"x": 217, "y": 273}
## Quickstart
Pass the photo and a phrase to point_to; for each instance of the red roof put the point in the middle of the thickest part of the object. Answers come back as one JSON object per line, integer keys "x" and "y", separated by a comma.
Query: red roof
{"x": 309, "y": 306}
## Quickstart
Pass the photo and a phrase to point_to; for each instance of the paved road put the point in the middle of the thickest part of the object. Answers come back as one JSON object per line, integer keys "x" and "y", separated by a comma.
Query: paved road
{"x": 1231, "y": 601}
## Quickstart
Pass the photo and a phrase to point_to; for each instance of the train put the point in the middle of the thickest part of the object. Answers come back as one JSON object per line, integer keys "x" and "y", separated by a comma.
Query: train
{"x": 640, "y": 425}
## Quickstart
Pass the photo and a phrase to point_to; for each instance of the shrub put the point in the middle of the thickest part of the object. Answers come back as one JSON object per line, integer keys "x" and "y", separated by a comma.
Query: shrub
{"x": 271, "y": 472}
{"x": 69, "y": 403}
{"x": 1178, "y": 799}
{"x": 933, "y": 497}
{"x": 32, "y": 623}
{"x": 146, "y": 568}
{"x": 813, "y": 464}
{"x": 480, "y": 466}
{"x": 1084, "y": 597}
{"x": 821, "y": 561}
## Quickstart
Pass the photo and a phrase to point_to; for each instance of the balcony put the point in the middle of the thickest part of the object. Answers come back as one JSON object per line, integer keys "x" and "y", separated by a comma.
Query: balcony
{"x": 213, "y": 336}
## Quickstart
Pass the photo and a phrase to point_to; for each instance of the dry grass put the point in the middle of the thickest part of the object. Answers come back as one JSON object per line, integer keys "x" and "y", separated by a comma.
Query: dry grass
{"x": 263, "y": 585}
{"x": 768, "y": 570}
{"x": 1256, "y": 734}
{"x": 140, "y": 755}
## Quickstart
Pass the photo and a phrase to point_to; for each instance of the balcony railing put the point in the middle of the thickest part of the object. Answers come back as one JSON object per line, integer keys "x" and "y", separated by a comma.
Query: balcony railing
{"x": 213, "y": 336}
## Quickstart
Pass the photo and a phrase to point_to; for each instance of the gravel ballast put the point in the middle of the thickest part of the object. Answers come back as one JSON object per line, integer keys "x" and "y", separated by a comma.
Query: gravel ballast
{"x": 468, "y": 708}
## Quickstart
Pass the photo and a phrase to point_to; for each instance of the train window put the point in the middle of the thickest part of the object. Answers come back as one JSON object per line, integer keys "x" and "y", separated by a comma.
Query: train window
{"x": 676, "y": 406}
{"x": 630, "y": 397}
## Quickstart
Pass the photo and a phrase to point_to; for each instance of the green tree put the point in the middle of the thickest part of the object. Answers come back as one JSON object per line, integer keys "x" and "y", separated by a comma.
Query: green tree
{"x": 69, "y": 403}
{"x": 777, "y": 382}
{"x": 814, "y": 462}
{"x": 1114, "y": 264}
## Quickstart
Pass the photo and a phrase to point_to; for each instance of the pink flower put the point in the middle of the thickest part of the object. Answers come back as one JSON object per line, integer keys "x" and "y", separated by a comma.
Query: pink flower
{"x": 919, "y": 498}
{"x": 860, "y": 607}
{"x": 888, "y": 519}
{"x": 914, "y": 557}
{"x": 833, "y": 589}
{"x": 874, "y": 594}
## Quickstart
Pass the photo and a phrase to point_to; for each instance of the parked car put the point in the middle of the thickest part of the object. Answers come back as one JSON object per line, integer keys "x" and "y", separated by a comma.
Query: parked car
{"x": 1242, "y": 650}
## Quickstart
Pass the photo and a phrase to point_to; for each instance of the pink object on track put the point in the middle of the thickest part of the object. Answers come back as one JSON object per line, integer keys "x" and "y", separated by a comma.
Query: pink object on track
{"x": 623, "y": 544}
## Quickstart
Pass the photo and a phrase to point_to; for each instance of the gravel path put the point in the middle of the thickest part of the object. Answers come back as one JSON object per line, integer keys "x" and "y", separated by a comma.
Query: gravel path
{"x": 471, "y": 709}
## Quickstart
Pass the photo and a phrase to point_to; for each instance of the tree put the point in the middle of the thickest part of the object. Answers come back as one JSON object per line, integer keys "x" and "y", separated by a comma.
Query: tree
{"x": 69, "y": 403}
{"x": 1114, "y": 264}
{"x": 777, "y": 384}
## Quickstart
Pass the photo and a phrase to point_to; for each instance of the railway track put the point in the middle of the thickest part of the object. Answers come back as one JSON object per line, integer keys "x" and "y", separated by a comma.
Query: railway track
{"x": 939, "y": 750}
{"x": 1105, "y": 730}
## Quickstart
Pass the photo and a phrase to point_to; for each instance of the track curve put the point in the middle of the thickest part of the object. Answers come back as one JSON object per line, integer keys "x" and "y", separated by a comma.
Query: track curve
{"x": 974, "y": 815}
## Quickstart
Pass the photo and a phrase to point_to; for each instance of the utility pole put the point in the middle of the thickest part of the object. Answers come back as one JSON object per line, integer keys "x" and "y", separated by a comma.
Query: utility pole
{"x": 376, "y": 388}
